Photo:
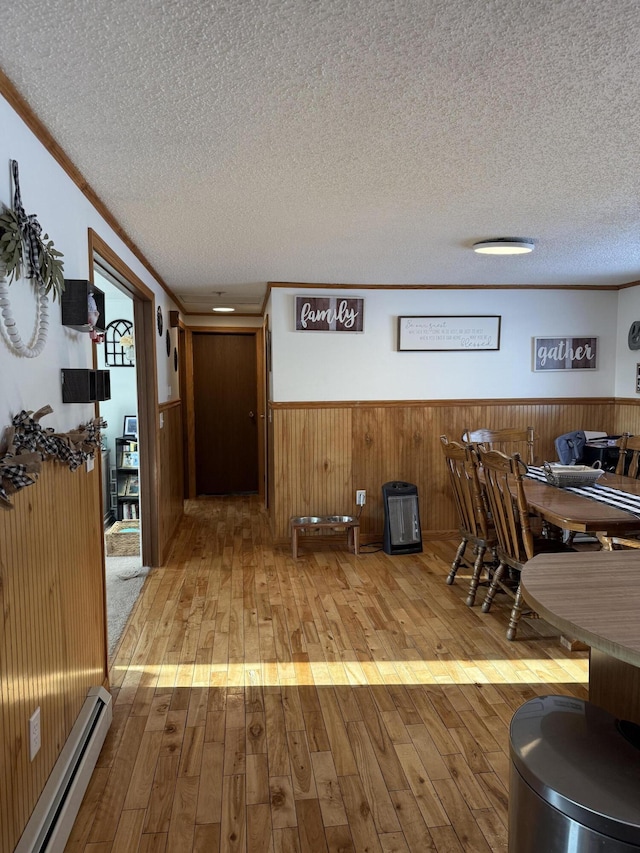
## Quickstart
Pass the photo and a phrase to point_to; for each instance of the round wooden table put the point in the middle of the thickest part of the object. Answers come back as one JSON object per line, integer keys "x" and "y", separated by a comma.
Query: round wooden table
{"x": 595, "y": 597}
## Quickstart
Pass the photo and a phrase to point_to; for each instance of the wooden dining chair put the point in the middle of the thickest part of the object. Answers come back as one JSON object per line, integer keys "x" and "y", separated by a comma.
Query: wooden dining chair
{"x": 470, "y": 501}
{"x": 516, "y": 542}
{"x": 617, "y": 543}
{"x": 508, "y": 441}
{"x": 629, "y": 455}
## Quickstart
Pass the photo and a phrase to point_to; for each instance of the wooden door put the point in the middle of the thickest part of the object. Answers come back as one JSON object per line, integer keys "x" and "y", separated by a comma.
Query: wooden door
{"x": 183, "y": 374}
{"x": 226, "y": 416}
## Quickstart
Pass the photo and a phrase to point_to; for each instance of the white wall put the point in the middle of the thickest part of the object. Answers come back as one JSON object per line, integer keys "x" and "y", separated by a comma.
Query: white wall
{"x": 627, "y": 359}
{"x": 350, "y": 366}
{"x": 65, "y": 214}
{"x": 168, "y": 376}
{"x": 224, "y": 320}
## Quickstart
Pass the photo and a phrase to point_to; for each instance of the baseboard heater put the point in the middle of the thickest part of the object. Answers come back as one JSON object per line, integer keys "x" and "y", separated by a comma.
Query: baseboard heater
{"x": 52, "y": 820}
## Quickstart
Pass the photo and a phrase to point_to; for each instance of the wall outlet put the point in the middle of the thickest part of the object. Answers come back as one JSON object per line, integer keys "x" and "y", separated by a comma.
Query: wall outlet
{"x": 361, "y": 497}
{"x": 34, "y": 734}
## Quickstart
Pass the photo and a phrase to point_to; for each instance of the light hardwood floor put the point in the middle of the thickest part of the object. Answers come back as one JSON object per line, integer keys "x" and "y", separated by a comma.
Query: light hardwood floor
{"x": 332, "y": 703}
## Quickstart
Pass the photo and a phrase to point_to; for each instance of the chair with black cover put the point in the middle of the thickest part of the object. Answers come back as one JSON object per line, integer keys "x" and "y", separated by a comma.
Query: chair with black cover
{"x": 570, "y": 447}
{"x": 511, "y": 517}
{"x": 475, "y": 527}
{"x": 629, "y": 455}
{"x": 508, "y": 441}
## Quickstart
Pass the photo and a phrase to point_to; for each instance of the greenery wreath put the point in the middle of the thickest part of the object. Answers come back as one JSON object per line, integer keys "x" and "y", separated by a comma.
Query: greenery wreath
{"x": 25, "y": 251}
{"x": 49, "y": 271}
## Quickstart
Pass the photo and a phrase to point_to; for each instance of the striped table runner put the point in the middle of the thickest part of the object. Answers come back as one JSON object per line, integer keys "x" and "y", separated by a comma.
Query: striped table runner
{"x": 604, "y": 494}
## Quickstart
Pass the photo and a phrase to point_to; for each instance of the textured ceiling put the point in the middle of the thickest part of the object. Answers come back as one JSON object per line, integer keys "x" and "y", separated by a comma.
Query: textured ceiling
{"x": 355, "y": 141}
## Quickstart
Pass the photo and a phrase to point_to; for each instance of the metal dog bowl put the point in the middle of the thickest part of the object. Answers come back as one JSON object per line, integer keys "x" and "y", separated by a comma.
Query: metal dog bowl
{"x": 340, "y": 519}
{"x": 307, "y": 519}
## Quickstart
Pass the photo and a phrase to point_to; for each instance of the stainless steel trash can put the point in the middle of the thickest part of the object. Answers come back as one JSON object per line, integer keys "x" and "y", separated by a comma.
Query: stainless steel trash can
{"x": 575, "y": 779}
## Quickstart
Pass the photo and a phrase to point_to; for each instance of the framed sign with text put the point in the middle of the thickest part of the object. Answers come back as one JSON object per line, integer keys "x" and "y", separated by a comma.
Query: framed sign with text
{"x": 565, "y": 354}
{"x": 456, "y": 333}
{"x": 329, "y": 314}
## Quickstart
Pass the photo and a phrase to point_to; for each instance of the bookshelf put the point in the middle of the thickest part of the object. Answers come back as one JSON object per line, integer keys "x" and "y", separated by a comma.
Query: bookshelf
{"x": 127, "y": 481}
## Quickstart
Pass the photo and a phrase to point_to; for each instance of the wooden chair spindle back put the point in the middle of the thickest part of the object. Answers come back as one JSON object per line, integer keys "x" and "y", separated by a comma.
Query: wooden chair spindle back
{"x": 462, "y": 464}
{"x": 629, "y": 449}
{"x": 508, "y": 504}
{"x": 508, "y": 441}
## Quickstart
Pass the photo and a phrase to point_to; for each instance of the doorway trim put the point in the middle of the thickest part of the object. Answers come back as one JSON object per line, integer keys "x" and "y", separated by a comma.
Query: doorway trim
{"x": 258, "y": 334}
{"x": 102, "y": 254}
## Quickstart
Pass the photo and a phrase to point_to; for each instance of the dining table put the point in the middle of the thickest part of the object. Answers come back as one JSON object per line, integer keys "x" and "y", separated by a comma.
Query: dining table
{"x": 595, "y": 597}
{"x": 577, "y": 510}
{"x": 584, "y": 510}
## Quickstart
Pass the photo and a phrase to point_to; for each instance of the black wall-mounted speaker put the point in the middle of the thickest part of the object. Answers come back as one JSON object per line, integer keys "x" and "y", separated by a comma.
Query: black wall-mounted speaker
{"x": 75, "y": 305}
{"x": 402, "y": 534}
{"x": 82, "y": 385}
{"x": 103, "y": 385}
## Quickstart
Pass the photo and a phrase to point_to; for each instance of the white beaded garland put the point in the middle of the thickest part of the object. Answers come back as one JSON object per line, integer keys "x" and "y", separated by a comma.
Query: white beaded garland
{"x": 15, "y": 342}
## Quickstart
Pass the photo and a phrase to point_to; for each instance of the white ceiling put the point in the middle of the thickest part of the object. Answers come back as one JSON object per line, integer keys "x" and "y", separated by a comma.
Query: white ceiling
{"x": 352, "y": 141}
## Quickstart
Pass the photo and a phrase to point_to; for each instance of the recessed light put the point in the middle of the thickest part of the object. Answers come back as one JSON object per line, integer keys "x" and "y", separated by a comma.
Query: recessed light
{"x": 223, "y": 310}
{"x": 504, "y": 246}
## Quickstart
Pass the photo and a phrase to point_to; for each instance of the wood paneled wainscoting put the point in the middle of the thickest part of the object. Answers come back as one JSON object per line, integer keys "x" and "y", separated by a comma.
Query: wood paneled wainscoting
{"x": 627, "y": 417}
{"x": 323, "y": 452}
{"x": 52, "y": 620}
{"x": 170, "y": 475}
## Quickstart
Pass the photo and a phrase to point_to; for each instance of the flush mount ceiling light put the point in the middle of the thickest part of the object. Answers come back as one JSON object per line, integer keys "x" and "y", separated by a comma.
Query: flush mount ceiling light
{"x": 504, "y": 246}
{"x": 222, "y": 309}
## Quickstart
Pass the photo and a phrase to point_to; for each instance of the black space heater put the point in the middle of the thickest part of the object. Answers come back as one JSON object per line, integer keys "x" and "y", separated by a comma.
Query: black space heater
{"x": 401, "y": 519}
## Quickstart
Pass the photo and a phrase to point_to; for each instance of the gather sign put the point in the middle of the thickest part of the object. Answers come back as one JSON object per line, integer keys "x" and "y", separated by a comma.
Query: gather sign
{"x": 565, "y": 353}
{"x": 329, "y": 314}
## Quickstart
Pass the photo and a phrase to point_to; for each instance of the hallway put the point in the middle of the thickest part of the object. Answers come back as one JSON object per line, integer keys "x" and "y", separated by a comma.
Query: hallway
{"x": 332, "y": 703}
